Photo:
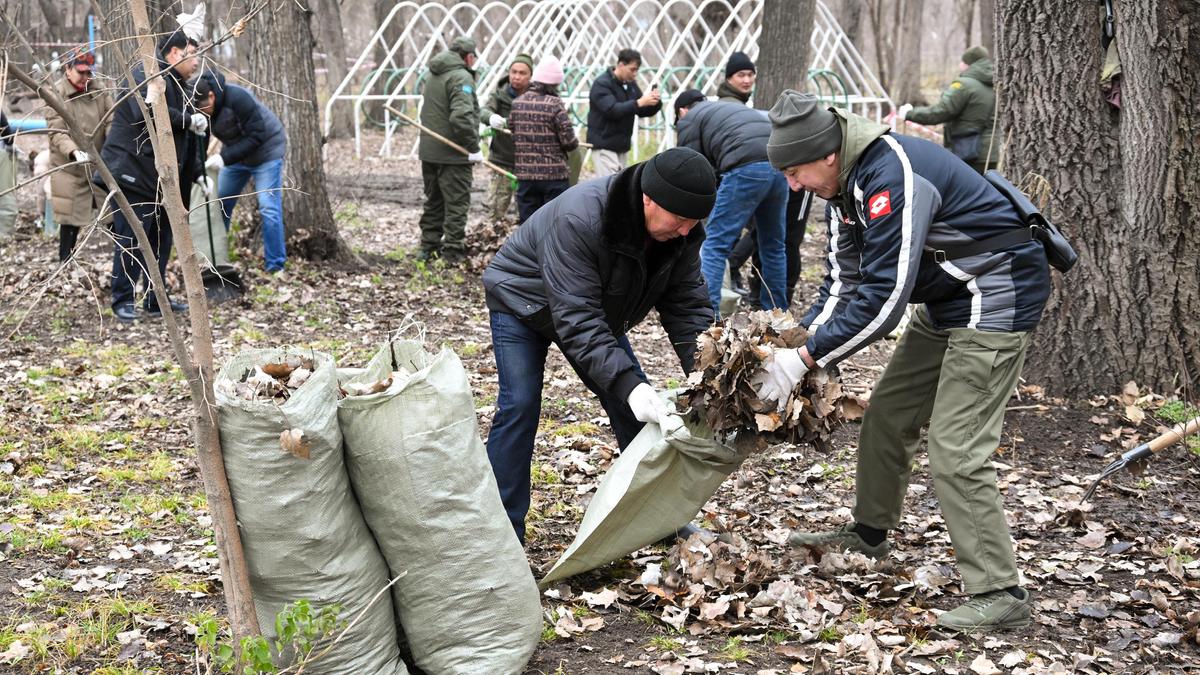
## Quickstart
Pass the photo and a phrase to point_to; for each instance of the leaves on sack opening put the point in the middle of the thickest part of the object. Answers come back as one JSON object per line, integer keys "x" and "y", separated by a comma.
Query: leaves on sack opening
{"x": 728, "y": 357}
{"x": 270, "y": 381}
{"x": 293, "y": 441}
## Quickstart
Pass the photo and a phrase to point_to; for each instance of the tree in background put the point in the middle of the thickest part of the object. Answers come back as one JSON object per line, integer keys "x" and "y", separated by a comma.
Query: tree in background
{"x": 784, "y": 49}
{"x": 1121, "y": 182}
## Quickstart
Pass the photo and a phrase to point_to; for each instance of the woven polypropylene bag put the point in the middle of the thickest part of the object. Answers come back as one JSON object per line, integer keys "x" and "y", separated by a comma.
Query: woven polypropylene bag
{"x": 303, "y": 534}
{"x": 467, "y": 602}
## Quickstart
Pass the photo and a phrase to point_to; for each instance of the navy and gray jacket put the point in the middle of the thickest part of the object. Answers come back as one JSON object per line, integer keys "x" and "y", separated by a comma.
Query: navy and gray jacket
{"x": 729, "y": 135}
{"x": 908, "y": 197}
{"x": 582, "y": 272}
{"x": 250, "y": 133}
{"x": 613, "y": 107}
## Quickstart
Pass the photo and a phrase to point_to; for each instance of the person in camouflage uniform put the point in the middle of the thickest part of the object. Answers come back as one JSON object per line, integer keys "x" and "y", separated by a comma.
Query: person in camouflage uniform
{"x": 451, "y": 110}
{"x": 968, "y": 111}
{"x": 495, "y": 115}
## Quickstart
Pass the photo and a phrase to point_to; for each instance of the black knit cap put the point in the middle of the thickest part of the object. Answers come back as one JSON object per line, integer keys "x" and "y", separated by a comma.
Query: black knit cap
{"x": 738, "y": 61}
{"x": 686, "y": 99}
{"x": 681, "y": 181}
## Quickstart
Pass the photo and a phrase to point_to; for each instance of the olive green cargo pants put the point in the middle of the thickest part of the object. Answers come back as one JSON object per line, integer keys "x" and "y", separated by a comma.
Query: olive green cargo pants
{"x": 447, "y": 200}
{"x": 959, "y": 382}
{"x": 500, "y": 195}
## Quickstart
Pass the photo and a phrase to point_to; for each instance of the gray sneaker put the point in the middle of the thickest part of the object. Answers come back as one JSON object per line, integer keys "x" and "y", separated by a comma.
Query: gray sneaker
{"x": 997, "y": 610}
{"x": 845, "y": 539}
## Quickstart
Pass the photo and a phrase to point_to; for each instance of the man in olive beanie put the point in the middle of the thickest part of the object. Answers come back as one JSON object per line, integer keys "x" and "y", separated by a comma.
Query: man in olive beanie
{"x": 909, "y": 223}
{"x": 451, "y": 110}
{"x": 966, "y": 111}
{"x": 581, "y": 272}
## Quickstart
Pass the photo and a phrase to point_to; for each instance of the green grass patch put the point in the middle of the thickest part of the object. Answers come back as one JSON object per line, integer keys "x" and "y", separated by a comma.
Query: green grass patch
{"x": 734, "y": 650}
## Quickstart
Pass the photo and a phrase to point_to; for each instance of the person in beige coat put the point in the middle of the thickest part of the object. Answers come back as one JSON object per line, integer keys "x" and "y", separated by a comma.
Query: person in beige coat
{"x": 73, "y": 195}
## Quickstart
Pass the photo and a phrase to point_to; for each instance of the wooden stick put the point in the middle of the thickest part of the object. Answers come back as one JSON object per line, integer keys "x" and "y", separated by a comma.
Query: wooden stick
{"x": 447, "y": 141}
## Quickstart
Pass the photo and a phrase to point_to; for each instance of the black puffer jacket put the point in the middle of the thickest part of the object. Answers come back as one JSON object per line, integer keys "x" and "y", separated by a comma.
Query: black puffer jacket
{"x": 250, "y": 133}
{"x": 613, "y": 107}
{"x": 582, "y": 271}
{"x": 128, "y": 151}
{"x": 729, "y": 135}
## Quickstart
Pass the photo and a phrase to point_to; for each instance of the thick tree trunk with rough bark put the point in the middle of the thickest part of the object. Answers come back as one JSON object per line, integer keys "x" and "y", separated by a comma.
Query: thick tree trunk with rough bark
{"x": 1123, "y": 185}
{"x": 906, "y": 65}
{"x": 784, "y": 49}
{"x": 281, "y": 65}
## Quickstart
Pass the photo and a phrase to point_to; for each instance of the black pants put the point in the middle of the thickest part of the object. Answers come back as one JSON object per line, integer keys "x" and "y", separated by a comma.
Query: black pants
{"x": 798, "y": 206}
{"x": 534, "y": 194}
{"x": 128, "y": 264}
{"x": 67, "y": 236}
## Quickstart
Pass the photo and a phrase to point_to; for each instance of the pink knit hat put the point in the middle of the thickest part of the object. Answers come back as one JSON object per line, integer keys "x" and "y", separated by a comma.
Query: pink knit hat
{"x": 548, "y": 71}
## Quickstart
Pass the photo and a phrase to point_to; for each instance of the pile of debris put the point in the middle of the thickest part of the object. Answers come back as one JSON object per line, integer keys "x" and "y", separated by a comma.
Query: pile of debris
{"x": 485, "y": 238}
{"x": 271, "y": 381}
{"x": 733, "y": 352}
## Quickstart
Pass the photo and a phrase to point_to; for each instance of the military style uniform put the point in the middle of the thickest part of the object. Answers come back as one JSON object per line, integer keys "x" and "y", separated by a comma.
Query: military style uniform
{"x": 968, "y": 111}
{"x": 450, "y": 109}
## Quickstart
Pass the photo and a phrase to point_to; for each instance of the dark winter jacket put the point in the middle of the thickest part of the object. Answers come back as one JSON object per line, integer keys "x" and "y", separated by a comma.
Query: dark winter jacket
{"x": 543, "y": 136}
{"x": 502, "y": 154}
{"x": 128, "y": 151}
{"x": 611, "y": 115}
{"x": 6, "y": 134}
{"x": 582, "y": 272}
{"x": 902, "y": 199}
{"x": 250, "y": 133}
{"x": 450, "y": 109}
{"x": 729, "y": 135}
{"x": 968, "y": 111}
{"x": 727, "y": 94}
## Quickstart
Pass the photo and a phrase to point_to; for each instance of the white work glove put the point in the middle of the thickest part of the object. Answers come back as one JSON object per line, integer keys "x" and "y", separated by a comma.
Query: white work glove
{"x": 647, "y": 405}
{"x": 215, "y": 162}
{"x": 497, "y": 122}
{"x": 779, "y": 376}
{"x": 80, "y": 156}
{"x": 198, "y": 123}
{"x": 902, "y": 113}
{"x": 206, "y": 186}
{"x": 475, "y": 157}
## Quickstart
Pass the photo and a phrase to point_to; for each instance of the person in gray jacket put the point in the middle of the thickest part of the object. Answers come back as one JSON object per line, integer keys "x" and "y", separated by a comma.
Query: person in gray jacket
{"x": 733, "y": 138}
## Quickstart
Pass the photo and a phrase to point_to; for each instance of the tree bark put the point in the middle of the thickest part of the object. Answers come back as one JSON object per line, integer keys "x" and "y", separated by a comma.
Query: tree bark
{"x": 333, "y": 43}
{"x": 281, "y": 65}
{"x": 966, "y": 13}
{"x": 784, "y": 49}
{"x": 906, "y": 68}
{"x": 849, "y": 17}
{"x": 1123, "y": 187}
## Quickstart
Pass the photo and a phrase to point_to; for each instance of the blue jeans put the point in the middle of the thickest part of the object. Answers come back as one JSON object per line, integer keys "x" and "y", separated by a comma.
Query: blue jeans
{"x": 268, "y": 183}
{"x": 750, "y": 190}
{"x": 520, "y": 364}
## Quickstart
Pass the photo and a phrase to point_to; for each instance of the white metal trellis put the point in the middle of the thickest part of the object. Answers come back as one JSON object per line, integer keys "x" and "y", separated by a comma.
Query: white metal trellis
{"x": 680, "y": 49}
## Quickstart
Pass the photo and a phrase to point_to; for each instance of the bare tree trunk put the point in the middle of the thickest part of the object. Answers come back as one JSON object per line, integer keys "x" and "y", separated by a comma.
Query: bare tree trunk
{"x": 849, "y": 16}
{"x": 987, "y": 24}
{"x": 966, "y": 13}
{"x": 885, "y": 37}
{"x": 54, "y": 19}
{"x": 281, "y": 64}
{"x": 784, "y": 49}
{"x": 1123, "y": 185}
{"x": 333, "y": 43}
{"x": 906, "y": 68}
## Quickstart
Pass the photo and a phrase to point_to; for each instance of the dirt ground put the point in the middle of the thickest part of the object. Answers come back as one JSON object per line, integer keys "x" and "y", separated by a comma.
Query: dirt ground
{"x": 107, "y": 562}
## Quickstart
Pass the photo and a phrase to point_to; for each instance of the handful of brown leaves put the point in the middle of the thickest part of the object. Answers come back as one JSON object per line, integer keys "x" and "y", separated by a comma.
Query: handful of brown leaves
{"x": 271, "y": 381}
{"x": 728, "y": 357}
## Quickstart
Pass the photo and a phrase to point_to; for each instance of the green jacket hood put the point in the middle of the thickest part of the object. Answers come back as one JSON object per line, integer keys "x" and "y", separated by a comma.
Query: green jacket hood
{"x": 726, "y": 91}
{"x": 445, "y": 62}
{"x": 857, "y": 133}
{"x": 980, "y": 71}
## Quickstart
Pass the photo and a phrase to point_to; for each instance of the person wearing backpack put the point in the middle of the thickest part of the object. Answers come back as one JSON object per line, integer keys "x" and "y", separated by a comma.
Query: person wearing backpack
{"x": 909, "y": 223}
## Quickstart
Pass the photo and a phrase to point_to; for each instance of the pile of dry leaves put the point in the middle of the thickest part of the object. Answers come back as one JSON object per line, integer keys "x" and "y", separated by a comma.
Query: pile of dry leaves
{"x": 728, "y": 357}
{"x": 485, "y": 238}
{"x": 271, "y": 381}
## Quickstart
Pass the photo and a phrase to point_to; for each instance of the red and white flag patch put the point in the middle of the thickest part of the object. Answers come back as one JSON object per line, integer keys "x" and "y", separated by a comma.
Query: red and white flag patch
{"x": 880, "y": 204}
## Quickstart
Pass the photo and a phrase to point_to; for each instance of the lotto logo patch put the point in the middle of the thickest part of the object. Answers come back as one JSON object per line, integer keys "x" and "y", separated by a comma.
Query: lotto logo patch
{"x": 880, "y": 204}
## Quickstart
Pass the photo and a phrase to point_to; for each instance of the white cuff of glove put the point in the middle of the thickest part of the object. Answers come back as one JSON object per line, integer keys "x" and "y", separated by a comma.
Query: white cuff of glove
{"x": 80, "y": 156}
{"x": 475, "y": 157}
{"x": 902, "y": 113}
{"x": 198, "y": 123}
{"x": 497, "y": 122}
{"x": 647, "y": 405}
{"x": 779, "y": 376}
{"x": 215, "y": 162}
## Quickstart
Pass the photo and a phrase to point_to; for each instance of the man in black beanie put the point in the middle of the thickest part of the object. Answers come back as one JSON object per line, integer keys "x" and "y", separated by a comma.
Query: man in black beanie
{"x": 580, "y": 273}
{"x": 740, "y": 74}
{"x": 910, "y": 223}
